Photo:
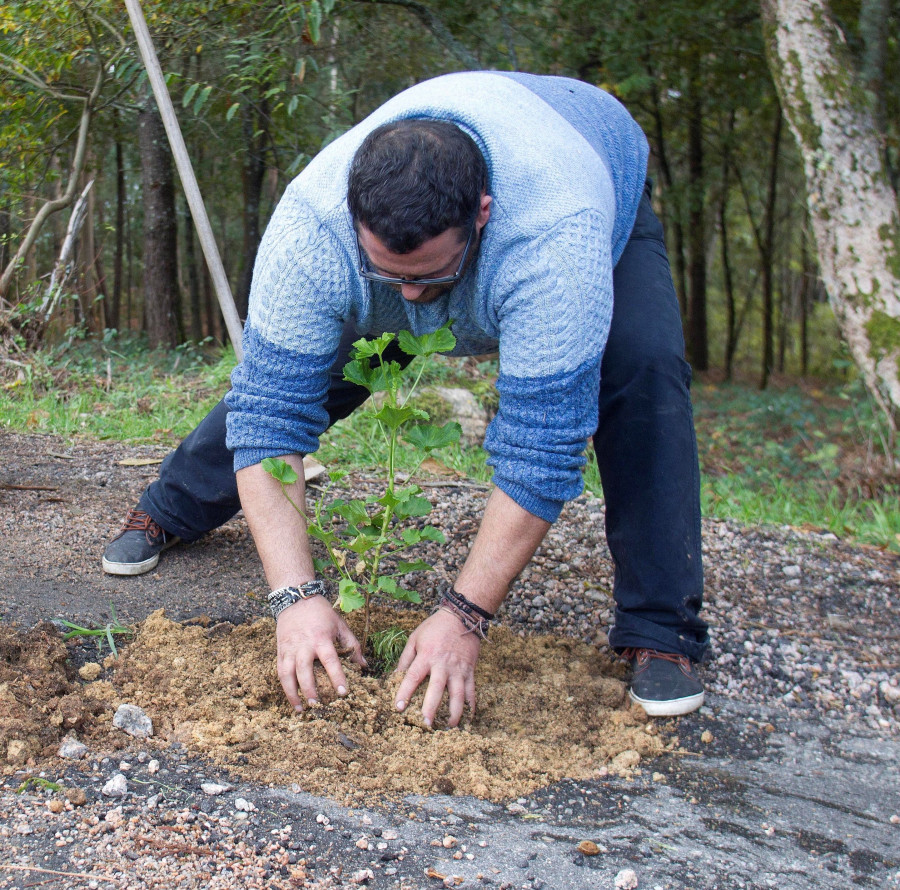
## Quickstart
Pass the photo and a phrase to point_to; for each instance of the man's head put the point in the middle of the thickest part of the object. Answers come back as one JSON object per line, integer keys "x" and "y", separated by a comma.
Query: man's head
{"x": 413, "y": 180}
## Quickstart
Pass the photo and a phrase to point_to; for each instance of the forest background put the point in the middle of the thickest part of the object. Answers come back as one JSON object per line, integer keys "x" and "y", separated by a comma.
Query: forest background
{"x": 774, "y": 139}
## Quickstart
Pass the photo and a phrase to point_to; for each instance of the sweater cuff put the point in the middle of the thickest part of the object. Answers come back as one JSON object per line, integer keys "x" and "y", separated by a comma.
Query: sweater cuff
{"x": 543, "y": 508}
{"x": 247, "y": 457}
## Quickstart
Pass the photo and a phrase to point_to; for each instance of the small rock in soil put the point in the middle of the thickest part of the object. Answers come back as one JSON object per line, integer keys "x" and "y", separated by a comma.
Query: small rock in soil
{"x": 117, "y": 786}
{"x": 626, "y": 879}
{"x": 133, "y": 720}
{"x": 72, "y": 749}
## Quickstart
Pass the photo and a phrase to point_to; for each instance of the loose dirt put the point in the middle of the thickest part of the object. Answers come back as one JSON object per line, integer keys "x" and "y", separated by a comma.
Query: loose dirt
{"x": 553, "y": 708}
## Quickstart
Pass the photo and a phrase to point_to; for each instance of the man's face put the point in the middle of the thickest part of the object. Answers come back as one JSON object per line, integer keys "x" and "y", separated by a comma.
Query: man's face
{"x": 437, "y": 257}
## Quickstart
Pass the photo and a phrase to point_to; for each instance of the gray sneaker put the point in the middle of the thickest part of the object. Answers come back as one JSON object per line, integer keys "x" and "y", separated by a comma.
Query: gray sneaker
{"x": 664, "y": 683}
{"x": 136, "y": 548}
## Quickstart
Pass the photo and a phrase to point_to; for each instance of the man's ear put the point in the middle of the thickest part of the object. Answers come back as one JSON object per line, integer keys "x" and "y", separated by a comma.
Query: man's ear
{"x": 484, "y": 212}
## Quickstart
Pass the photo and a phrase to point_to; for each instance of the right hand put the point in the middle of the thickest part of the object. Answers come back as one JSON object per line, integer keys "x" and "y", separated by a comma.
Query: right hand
{"x": 307, "y": 632}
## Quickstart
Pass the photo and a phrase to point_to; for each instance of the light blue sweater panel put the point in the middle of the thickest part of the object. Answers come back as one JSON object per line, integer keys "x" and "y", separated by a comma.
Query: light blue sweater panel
{"x": 567, "y": 167}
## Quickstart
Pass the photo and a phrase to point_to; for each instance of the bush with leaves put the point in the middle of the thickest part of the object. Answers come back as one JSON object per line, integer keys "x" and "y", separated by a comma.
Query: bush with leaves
{"x": 366, "y": 540}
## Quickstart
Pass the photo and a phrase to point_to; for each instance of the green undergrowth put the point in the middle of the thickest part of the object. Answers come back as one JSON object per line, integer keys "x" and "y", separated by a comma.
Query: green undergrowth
{"x": 113, "y": 388}
{"x": 799, "y": 455}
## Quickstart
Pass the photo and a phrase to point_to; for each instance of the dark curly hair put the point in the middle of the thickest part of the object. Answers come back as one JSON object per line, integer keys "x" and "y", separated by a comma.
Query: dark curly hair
{"x": 413, "y": 179}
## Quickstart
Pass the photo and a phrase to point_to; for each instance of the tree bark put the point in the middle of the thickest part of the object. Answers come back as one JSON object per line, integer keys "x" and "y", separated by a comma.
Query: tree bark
{"x": 697, "y": 331}
{"x": 852, "y": 204}
{"x": 160, "y": 231}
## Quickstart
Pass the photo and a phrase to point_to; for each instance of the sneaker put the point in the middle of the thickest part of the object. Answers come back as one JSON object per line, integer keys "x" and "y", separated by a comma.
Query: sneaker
{"x": 136, "y": 548}
{"x": 664, "y": 683}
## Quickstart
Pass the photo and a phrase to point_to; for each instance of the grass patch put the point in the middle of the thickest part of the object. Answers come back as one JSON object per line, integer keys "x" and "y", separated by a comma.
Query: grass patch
{"x": 803, "y": 455}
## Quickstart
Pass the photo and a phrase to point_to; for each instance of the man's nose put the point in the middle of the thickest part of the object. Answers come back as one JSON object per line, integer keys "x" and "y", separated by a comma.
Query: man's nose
{"x": 411, "y": 291}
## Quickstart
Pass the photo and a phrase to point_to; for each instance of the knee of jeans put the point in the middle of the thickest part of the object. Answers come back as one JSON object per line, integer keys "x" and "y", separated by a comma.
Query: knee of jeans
{"x": 648, "y": 365}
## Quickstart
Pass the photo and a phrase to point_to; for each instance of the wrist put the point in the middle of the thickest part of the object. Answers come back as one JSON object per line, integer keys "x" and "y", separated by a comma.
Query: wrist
{"x": 283, "y": 597}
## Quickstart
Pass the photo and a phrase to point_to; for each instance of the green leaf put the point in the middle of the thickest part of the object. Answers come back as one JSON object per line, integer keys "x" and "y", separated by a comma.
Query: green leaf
{"x": 280, "y": 470}
{"x": 361, "y": 543}
{"x": 388, "y": 585}
{"x": 428, "y": 436}
{"x": 366, "y": 348}
{"x": 393, "y": 418}
{"x": 359, "y": 371}
{"x": 189, "y": 94}
{"x": 412, "y": 506}
{"x": 201, "y": 99}
{"x": 321, "y": 534}
{"x": 354, "y": 511}
{"x": 416, "y": 565}
{"x": 387, "y": 378}
{"x": 314, "y": 20}
{"x": 320, "y": 565}
{"x": 349, "y": 596}
{"x": 430, "y": 533}
{"x": 409, "y": 596}
{"x": 441, "y": 340}
{"x": 411, "y": 536}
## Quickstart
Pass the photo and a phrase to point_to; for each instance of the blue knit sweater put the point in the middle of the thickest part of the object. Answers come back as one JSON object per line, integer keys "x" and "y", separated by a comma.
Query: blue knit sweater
{"x": 567, "y": 167}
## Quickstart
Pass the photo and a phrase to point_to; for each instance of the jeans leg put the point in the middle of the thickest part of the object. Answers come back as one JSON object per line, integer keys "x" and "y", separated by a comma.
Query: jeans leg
{"x": 647, "y": 454}
{"x": 197, "y": 490}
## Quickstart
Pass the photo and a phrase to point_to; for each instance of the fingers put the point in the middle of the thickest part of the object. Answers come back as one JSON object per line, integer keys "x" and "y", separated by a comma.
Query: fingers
{"x": 348, "y": 641}
{"x": 415, "y": 674}
{"x": 433, "y": 695}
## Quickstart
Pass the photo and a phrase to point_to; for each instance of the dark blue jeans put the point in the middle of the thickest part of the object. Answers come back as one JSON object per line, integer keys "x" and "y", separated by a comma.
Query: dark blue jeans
{"x": 645, "y": 444}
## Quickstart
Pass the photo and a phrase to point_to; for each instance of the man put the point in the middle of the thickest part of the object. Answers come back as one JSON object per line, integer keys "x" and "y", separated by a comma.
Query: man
{"x": 515, "y": 205}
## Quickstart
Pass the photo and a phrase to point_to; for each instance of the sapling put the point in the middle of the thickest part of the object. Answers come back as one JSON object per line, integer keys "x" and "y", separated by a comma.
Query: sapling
{"x": 365, "y": 539}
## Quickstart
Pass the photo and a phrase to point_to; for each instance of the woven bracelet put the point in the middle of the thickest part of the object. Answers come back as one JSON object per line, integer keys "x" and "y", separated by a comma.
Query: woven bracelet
{"x": 466, "y": 605}
{"x": 471, "y": 623}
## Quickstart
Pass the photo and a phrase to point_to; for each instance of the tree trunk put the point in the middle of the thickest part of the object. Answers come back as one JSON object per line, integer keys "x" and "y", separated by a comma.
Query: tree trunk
{"x": 160, "y": 231}
{"x": 697, "y": 339}
{"x": 190, "y": 263}
{"x": 852, "y": 205}
{"x": 114, "y": 300}
{"x": 253, "y": 174}
{"x": 766, "y": 242}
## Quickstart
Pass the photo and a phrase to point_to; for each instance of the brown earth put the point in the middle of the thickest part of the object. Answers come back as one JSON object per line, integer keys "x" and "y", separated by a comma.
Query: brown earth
{"x": 549, "y": 707}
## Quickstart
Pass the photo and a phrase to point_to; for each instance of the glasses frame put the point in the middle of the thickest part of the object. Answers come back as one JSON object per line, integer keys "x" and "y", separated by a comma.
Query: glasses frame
{"x": 369, "y": 275}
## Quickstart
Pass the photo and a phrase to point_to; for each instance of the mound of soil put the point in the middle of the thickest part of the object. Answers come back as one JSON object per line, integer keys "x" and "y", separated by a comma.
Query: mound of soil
{"x": 39, "y": 699}
{"x": 548, "y": 708}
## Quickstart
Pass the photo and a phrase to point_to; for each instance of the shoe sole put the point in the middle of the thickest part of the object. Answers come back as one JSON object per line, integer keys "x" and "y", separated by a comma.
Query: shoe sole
{"x": 136, "y": 568}
{"x": 676, "y": 707}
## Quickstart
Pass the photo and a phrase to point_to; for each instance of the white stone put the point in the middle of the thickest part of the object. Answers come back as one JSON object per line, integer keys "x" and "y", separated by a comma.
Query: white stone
{"x": 214, "y": 788}
{"x": 117, "y": 786}
{"x": 153, "y": 767}
{"x": 134, "y": 721}
{"x": 626, "y": 879}
{"x": 71, "y": 749}
{"x": 243, "y": 805}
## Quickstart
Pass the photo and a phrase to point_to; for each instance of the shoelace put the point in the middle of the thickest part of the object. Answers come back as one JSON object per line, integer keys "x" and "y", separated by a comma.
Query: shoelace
{"x": 139, "y": 521}
{"x": 674, "y": 657}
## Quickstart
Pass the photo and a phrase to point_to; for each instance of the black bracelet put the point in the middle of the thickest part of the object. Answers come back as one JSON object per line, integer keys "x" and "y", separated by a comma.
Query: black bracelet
{"x": 466, "y": 605}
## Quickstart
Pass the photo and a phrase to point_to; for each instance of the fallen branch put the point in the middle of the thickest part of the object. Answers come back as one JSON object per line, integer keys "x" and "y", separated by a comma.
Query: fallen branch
{"x": 8, "y": 486}
{"x": 53, "y": 871}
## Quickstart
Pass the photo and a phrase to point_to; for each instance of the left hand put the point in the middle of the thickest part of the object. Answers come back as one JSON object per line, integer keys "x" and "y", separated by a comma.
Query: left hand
{"x": 441, "y": 649}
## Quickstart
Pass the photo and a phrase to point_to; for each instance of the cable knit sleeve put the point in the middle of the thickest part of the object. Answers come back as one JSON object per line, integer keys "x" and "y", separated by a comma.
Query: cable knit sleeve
{"x": 553, "y": 309}
{"x": 299, "y": 298}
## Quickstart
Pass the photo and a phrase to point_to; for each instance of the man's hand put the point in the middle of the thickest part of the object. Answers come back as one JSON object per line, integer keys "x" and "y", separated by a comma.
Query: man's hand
{"x": 306, "y": 632}
{"x": 441, "y": 649}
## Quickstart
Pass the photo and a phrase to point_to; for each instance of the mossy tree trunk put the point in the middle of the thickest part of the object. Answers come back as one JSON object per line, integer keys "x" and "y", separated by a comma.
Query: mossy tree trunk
{"x": 852, "y": 204}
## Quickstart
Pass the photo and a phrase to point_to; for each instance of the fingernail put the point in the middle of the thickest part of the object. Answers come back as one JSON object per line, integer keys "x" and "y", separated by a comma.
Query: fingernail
{"x": 342, "y": 690}
{"x": 299, "y": 709}
{"x": 401, "y": 704}
{"x": 427, "y": 722}
{"x": 312, "y": 702}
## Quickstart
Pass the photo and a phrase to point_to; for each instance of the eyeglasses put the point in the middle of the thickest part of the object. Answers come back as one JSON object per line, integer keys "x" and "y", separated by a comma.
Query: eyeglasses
{"x": 369, "y": 275}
